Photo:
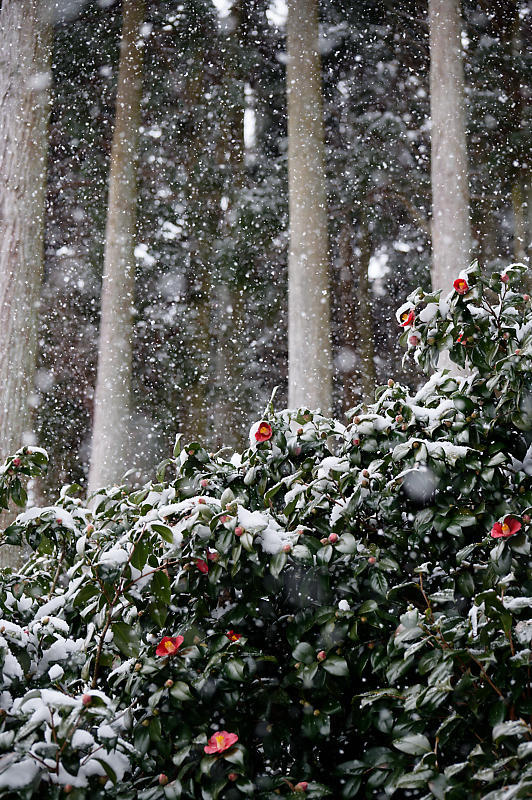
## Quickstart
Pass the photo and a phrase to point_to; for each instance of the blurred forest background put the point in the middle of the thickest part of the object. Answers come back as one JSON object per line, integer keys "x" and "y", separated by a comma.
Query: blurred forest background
{"x": 210, "y": 312}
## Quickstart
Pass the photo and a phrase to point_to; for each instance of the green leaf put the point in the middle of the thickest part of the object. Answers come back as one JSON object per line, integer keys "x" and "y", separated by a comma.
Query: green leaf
{"x": 181, "y": 691}
{"x": 415, "y": 744}
{"x": 234, "y": 669}
{"x": 160, "y": 585}
{"x": 164, "y": 531}
{"x": 336, "y": 666}
{"x": 277, "y": 563}
{"x": 304, "y": 652}
{"x": 126, "y": 639}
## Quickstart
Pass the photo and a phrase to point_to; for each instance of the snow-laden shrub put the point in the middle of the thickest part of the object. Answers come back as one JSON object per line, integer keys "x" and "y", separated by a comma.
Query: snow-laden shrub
{"x": 351, "y": 602}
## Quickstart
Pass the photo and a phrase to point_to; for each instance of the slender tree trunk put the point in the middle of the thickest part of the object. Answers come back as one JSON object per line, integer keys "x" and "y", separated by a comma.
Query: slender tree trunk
{"x": 451, "y": 235}
{"x": 25, "y": 30}
{"x": 230, "y": 400}
{"x": 113, "y": 386}
{"x": 309, "y": 348}
{"x": 364, "y": 319}
{"x": 519, "y": 221}
{"x": 357, "y": 356}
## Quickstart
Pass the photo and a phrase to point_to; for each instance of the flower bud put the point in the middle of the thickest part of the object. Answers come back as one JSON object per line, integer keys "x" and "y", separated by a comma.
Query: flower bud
{"x": 333, "y": 538}
{"x": 302, "y": 786}
{"x": 321, "y": 656}
{"x": 163, "y": 779}
{"x": 86, "y": 699}
{"x": 239, "y": 531}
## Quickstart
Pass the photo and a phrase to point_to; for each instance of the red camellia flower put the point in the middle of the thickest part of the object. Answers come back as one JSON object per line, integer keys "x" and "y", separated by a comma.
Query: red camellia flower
{"x": 407, "y": 318}
{"x": 264, "y": 432}
{"x": 302, "y": 786}
{"x": 232, "y": 636}
{"x": 505, "y": 278}
{"x": 202, "y": 565}
{"x": 461, "y": 286}
{"x": 220, "y": 741}
{"x": 169, "y": 645}
{"x": 506, "y": 528}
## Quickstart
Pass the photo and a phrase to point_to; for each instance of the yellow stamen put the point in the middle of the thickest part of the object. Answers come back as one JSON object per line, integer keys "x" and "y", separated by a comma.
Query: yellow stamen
{"x": 505, "y": 528}
{"x": 219, "y": 740}
{"x": 169, "y": 646}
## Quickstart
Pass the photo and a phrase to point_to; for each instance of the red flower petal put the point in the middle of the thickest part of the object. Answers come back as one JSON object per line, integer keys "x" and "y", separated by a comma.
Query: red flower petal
{"x": 264, "y": 432}
{"x": 202, "y": 565}
{"x": 220, "y": 741}
{"x": 407, "y": 318}
{"x": 232, "y": 636}
{"x": 506, "y": 528}
{"x": 169, "y": 645}
{"x": 461, "y": 286}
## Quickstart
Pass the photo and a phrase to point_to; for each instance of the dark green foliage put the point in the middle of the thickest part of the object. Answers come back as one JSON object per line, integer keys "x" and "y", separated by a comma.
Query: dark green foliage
{"x": 379, "y": 636}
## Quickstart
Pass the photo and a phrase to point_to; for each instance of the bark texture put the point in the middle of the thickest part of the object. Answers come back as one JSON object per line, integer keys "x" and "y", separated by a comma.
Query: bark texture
{"x": 309, "y": 349}
{"x": 110, "y": 437}
{"x": 451, "y": 235}
{"x": 357, "y": 337}
{"x": 25, "y": 31}
{"x": 24, "y": 110}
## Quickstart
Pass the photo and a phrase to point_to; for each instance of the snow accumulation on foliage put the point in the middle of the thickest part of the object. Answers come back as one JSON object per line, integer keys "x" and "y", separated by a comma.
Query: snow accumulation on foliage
{"x": 339, "y": 611}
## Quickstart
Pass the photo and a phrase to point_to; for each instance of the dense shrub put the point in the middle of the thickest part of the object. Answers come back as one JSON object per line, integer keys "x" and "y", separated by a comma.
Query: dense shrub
{"x": 352, "y": 602}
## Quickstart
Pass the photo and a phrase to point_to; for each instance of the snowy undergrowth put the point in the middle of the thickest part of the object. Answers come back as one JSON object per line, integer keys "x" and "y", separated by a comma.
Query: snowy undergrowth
{"x": 352, "y": 602}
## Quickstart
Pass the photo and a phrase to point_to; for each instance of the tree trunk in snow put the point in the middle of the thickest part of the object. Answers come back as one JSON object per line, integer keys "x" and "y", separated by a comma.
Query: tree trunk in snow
{"x": 357, "y": 355}
{"x": 519, "y": 221}
{"x": 25, "y": 29}
{"x": 110, "y": 436}
{"x": 451, "y": 235}
{"x": 309, "y": 348}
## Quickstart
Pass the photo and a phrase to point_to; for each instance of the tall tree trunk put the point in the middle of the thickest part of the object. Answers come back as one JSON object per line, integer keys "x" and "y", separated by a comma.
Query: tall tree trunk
{"x": 309, "y": 348}
{"x": 364, "y": 318}
{"x": 357, "y": 343}
{"x": 25, "y": 28}
{"x": 519, "y": 221}
{"x": 451, "y": 235}
{"x": 113, "y": 386}
{"x": 230, "y": 418}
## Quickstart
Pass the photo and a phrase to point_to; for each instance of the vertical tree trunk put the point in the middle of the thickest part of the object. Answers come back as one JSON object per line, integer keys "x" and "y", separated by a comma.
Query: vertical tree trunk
{"x": 357, "y": 355}
{"x": 24, "y": 110}
{"x": 25, "y": 29}
{"x": 451, "y": 235}
{"x": 309, "y": 348}
{"x": 113, "y": 386}
{"x": 519, "y": 221}
{"x": 364, "y": 319}
{"x": 229, "y": 413}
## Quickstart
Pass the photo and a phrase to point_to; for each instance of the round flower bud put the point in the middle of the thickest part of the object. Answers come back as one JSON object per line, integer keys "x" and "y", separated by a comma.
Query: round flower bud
{"x": 86, "y": 699}
{"x": 17, "y": 462}
{"x": 169, "y": 683}
{"x": 372, "y": 560}
{"x": 233, "y": 776}
{"x": 239, "y": 531}
{"x": 287, "y": 548}
{"x": 302, "y": 786}
{"x": 391, "y": 383}
{"x": 163, "y": 779}
{"x": 333, "y": 538}
{"x": 321, "y": 656}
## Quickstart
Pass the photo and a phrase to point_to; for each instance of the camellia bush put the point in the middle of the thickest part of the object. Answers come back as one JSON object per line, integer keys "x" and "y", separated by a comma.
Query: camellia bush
{"x": 340, "y": 611}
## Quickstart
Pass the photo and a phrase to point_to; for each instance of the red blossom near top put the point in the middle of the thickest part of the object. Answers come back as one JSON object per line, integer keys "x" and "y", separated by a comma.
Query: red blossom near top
{"x": 407, "y": 318}
{"x": 169, "y": 645}
{"x": 264, "y": 432}
{"x": 505, "y": 278}
{"x": 232, "y": 636}
{"x": 220, "y": 741}
{"x": 506, "y": 528}
{"x": 461, "y": 286}
{"x": 202, "y": 565}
